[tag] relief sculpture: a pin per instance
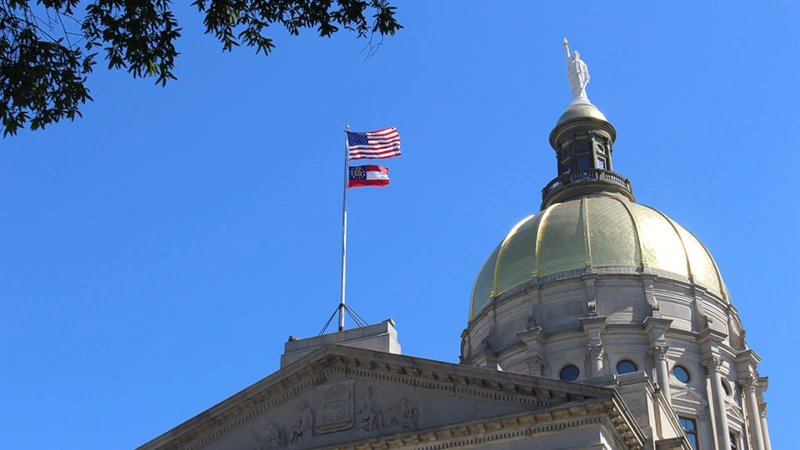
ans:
(270, 437)
(370, 415)
(335, 407)
(304, 423)
(403, 416)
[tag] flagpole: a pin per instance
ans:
(344, 226)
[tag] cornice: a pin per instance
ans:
(320, 365)
(606, 414)
(748, 356)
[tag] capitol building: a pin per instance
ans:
(596, 323)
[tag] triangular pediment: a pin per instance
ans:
(686, 395)
(339, 395)
(733, 412)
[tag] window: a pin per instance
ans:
(626, 366)
(690, 428)
(569, 373)
(726, 388)
(600, 148)
(601, 163)
(734, 441)
(681, 374)
(584, 163)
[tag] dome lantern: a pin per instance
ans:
(583, 140)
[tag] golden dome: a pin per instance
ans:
(593, 232)
(581, 111)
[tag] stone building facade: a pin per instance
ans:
(596, 323)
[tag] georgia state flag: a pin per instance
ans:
(369, 175)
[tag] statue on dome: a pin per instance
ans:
(578, 74)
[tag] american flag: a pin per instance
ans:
(378, 144)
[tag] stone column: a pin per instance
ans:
(596, 356)
(593, 327)
(712, 365)
(762, 408)
(749, 386)
(662, 371)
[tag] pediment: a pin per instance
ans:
(338, 395)
(733, 412)
(686, 395)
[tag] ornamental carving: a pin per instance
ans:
(660, 351)
(592, 305)
(535, 364)
(651, 300)
(739, 341)
(403, 416)
(749, 384)
(712, 364)
(370, 417)
(335, 407)
(303, 424)
(533, 318)
(595, 350)
(270, 436)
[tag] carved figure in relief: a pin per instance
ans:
(272, 437)
(304, 423)
(369, 414)
(403, 416)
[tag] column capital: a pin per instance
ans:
(660, 351)
(712, 364)
(750, 383)
(535, 359)
(535, 364)
(595, 350)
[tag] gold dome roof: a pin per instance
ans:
(597, 232)
(581, 111)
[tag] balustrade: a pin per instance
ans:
(577, 176)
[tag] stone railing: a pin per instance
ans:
(576, 176)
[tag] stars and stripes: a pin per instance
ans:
(368, 175)
(378, 144)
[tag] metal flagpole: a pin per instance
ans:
(344, 226)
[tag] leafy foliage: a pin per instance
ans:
(48, 48)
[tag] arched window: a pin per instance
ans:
(726, 387)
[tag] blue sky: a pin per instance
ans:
(156, 254)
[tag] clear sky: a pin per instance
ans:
(156, 254)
